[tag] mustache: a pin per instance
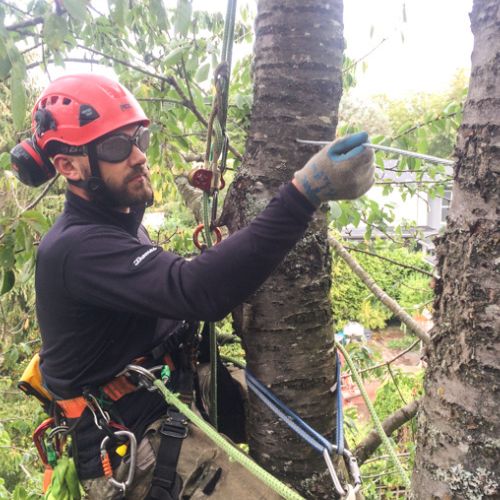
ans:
(138, 170)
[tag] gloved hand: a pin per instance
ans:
(342, 170)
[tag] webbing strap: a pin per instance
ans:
(166, 483)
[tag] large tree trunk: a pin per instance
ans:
(459, 424)
(287, 326)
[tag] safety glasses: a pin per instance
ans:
(117, 147)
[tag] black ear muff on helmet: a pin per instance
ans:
(30, 165)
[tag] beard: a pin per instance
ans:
(133, 190)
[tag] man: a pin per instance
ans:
(107, 296)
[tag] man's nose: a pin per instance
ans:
(137, 156)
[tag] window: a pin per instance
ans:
(445, 205)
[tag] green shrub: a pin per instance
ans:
(352, 301)
(389, 398)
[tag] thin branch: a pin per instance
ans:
(25, 24)
(377, 291)
(35, 202)
(39, 198)
(390, 424)
(13, 7)
(369, 53)
(388, 363)
(440, 181)
(394, 381)
(385, 233)
(424, 124)
(384, 457)
(395, 262)
(29, 49)
(12, 191)
(160, 99)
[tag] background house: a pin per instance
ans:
(428, 214)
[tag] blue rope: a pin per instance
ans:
(339, 428)
(304, 430)
(319, 447)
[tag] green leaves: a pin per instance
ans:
(5, 64)
(183, 17)
(7, 282)
(119, 10)
(77, 9)
(55, 29)
(175, 56)
(202, 72)
(4, 160)
(158, 10)
(18, 95)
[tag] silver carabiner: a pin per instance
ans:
(331, 469)
(92, 404)
(352, 467)
(146, 377)
(122, 486)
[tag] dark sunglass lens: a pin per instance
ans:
(143, 138)
(114, 149)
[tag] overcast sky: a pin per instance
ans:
(437, 42)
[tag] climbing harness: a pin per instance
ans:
(403, 152)
(148, 379)
(210, 178)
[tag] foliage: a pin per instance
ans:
(19, 467)
(364, 357)
(423, 123)
(351, 300)
(380, 479)
(397, 391)
(402, 343)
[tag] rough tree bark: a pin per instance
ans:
(459, 423)
(287, 326)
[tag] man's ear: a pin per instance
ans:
(69, 166)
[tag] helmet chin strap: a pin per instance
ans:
(94, 185)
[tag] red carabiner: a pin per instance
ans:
(38, 439)
(199, 229)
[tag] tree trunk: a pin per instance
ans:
(459, 423)
(287, 326)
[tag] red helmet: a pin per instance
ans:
(82, 108)
(74, 110)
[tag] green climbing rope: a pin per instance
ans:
(376, 420)
(233, 453)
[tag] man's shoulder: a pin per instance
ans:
(68, 234)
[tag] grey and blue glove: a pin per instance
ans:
(342, 170)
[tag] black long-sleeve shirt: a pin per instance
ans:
(106, 295)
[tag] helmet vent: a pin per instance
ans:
(66, 101)
(87, 114)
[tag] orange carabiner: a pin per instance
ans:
(199, 229)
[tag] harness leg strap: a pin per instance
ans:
(166, 483)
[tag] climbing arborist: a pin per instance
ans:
(106, 296)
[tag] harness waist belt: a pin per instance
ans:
(115, 389)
